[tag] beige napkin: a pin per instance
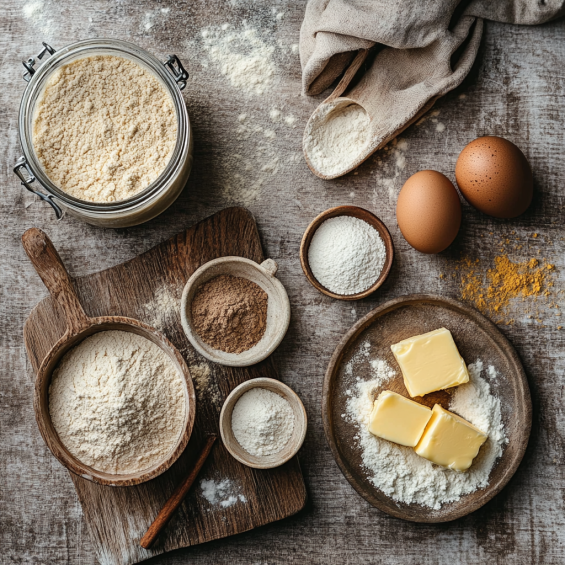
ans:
(430, 47)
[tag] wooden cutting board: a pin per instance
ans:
(149, 288)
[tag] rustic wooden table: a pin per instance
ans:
(516, 90)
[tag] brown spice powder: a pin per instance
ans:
(230, 313)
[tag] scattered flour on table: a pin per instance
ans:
(398, 471)
(392, 162)
(164, 306)
(222, 493)
(117, 402)
(276, 116)
(252, 60)
(346, 255)
(153, 18)
(205, 385)
(243, 55)
(429, 116)
(43, 19)
(262, 422)
(336, 137)
(247, 53)
(255, 161)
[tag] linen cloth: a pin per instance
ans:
(430, 46)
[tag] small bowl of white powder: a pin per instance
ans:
(263, 423)
(346, 253)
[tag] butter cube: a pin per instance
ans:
(449, 440)
(430, 362)
(398, 419)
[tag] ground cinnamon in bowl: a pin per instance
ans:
(230, 313)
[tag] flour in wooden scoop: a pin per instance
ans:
(117, 402)
(336, 137)
(104, 128)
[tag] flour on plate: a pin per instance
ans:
(402, 474)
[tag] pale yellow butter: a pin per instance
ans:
(398, 419)
(449, 440)
(430, 362)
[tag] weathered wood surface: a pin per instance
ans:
(117, 518)
(516, 90)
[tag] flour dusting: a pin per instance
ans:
(391, 168)
(254, 162)
(164, 306)
(222, 494)
(242, 55)
(204, 383)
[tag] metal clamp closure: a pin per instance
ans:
(179, 72)
(30, 71)
(27, 180)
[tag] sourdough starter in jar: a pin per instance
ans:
(104, 128)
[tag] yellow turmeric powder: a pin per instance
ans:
(491, 292)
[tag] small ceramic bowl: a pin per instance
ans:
(296, 439)
(278, 308)
(355, 212)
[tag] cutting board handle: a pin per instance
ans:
(50, 268)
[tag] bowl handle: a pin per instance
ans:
(270, 266)
(50, 268)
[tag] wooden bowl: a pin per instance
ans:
(355, 212)
(296, 439)
(278, 308)
(50, 268)
(476, 338)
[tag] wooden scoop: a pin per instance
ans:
(381, 129)
(50, 268)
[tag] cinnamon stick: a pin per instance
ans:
(176, 498)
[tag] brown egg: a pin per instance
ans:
(428, 211)
(495, 177)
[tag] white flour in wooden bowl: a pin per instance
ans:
(117, 402)
(346, 255)
(104, 128)
(402, 474)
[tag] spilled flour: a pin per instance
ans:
(250, 60)
(336, 137)
(206, 386)
(253, 165)
(392, 162)
(398, 471)
(164, 306)
(222, 493)
(242, 55)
